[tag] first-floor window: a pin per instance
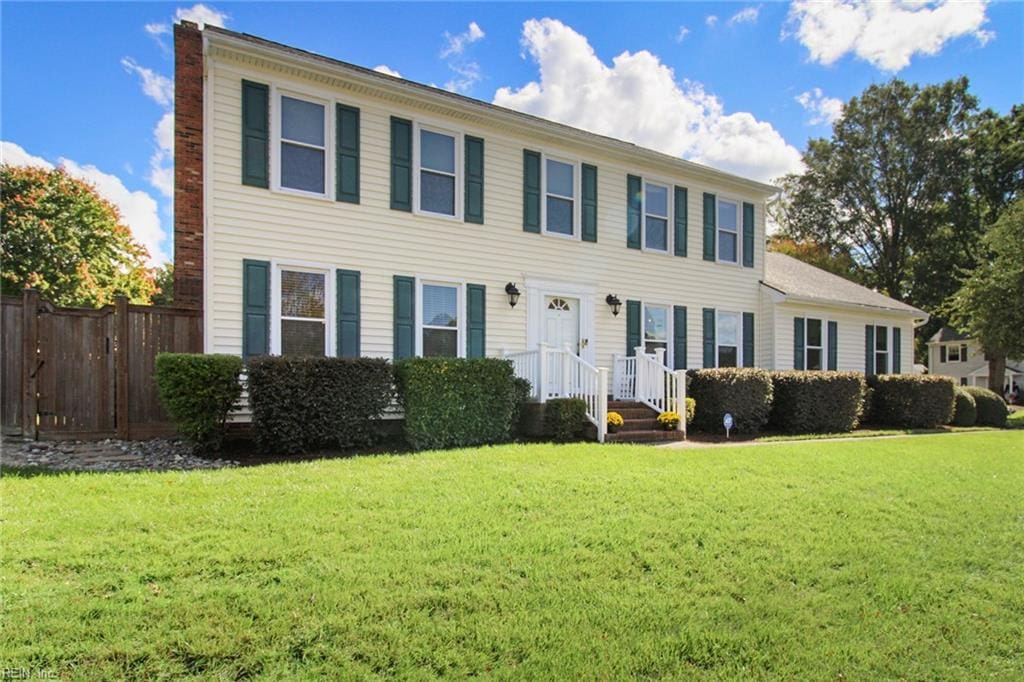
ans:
(881, 350)
(812, 348)
(727, 334)
(963, 381)
(656, 332)
(303, 312)
(440, 328)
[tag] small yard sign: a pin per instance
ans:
(727, 423)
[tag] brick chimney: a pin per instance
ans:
(188, 165)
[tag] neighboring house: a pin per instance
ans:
(325, 208)
(951, 354)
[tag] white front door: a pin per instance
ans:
(562, 322)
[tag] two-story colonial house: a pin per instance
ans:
(959, 357)
(325, 208)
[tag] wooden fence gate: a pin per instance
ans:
(75, 373)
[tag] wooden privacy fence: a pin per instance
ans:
(76, 373)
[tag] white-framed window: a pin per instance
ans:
(814, 336)
(302, 310)
(658, 330)
(438, 184)
(953, 354)
(302, 138)
(728, 237)
(656, 216)
(881, 350)
(441, 324)
(727, 339)
(561, 193)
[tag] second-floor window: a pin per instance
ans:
(303, 147)
(655, 217)
(728, 231)
(560, 197)
(438, 172)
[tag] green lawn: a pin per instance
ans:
(899, 558)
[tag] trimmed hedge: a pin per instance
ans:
(911, 400)
(305, 404)
(816, 402)
(965, 409)
(521, 392)
(564, 419)
(457, 402)
(745, 392)
(198, 392)
(991, 408)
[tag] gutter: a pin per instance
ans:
(920, 316)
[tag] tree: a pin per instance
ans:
(990, 304)
(163, 277)
(59, 236)
(809, 251)
(881, 187)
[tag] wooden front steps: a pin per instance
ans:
(641, 424)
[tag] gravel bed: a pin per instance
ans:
(158, 454)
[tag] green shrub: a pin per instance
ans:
(457, 402)
(992, 410)
(744, 392)
(691, 409)
(198, 392)
(564, 419)
(965, 408)
(911, 401)
(816, 402)
(305, 404)
(521, 393)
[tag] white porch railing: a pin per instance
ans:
(560, 373)
(644, 378)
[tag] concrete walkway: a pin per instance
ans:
(691, 444)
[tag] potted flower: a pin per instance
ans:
(668, 420)
(615, 421)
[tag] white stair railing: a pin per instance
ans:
(660, 388)
(623, 377)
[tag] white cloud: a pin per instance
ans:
(157, 29)
(202, 15)
(161, 163)
(456, 44)
(682, 33)
(138, 209)
(885, 33)
(638, 99)
(747, 15)
(158, 88)
(468, 76)
(384, 68)
(711, 20)
(822, 109)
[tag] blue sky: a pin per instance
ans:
(86, 84)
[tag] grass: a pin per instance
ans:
(896, 558)
(1016, 419)
(869, 432)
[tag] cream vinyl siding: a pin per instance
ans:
(850, 349)
(247, 222)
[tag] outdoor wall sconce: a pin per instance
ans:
(513, 294)
(613, 301)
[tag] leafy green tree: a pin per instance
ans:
(60, 237)
(820, 256)
(881, 187)
(990, 304)
(163, 277)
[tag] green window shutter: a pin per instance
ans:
(942, 354)
(633, 329)
(748, 235)
(474, 209)
(255, 134)
(405, 317)
(255, 308)
(401, 164)
(476, 320)
(798, 343)
(634, 196)
(531, 191)
(679, 337)
(833, 346)
(682, 220)
(748, 339)
(709, 226)
(869, 349)
(708, 332)
(346, 121)
(348, 313)
(589, 203)
(896, 338)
